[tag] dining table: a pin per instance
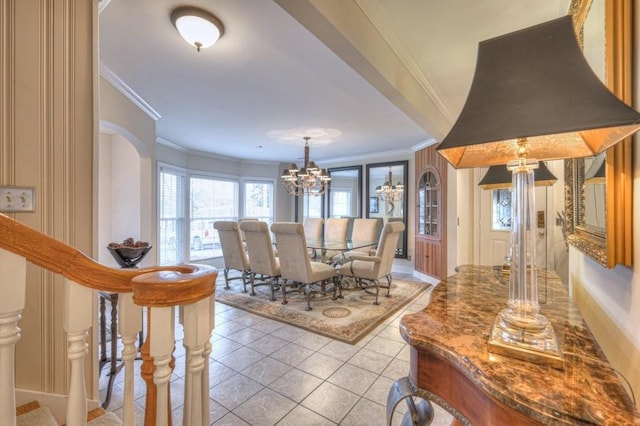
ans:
(343, 246)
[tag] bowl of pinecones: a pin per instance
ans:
(129, 252)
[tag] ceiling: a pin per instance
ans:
(387, 74)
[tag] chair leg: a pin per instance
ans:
(284, 291)
(307, 289)
(377, 292)
(226, 278)
(337, 285)
(272, 284)
(389, 278)
(252, 277)
(245, 281)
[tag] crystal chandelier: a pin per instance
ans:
(309, 180)
(389, 191)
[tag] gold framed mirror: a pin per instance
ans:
(610, 244)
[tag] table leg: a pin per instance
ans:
(113, 369)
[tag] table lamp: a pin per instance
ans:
(499, 177)
(533, 97)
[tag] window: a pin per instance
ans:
(258, 200)
(312, 206)
(501, 211)
(340, 202)
(211, 199)
(171, 216)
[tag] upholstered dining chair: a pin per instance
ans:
(233, 251)
(245, 219)
(313, 231)
(261, 255)
(363, 230)
(295, 265)
(335, 229)
(366, 268)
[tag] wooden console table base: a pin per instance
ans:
(451, 366)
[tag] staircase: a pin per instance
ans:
(32, 414)
(160, 290)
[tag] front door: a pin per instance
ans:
(494, 217)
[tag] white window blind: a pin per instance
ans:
(211, 199)
(258, 200)
(171, 216)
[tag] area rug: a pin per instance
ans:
(348, 319)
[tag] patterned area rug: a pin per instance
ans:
(348, 319)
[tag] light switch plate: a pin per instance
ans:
(17, 199)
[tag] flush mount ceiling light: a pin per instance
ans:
(198, 27)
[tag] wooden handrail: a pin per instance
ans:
(172, 285)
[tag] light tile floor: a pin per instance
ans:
(264, 372)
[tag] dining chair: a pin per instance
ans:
(245, 219)
(335, 229)
(233, 251)
(363, 230)
(313, 231)
(366, 268)
(261, 255)
(295, 265)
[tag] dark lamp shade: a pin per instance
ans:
(596, 172)
(499, 177)
(536, 84)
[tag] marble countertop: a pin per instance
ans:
(456, 325)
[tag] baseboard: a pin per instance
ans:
(425, 277)
(621, 352)
(56, 403)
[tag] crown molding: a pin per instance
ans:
(102, 5)
(127, 91)
(170, 144)
(369, 156)
(424, 144)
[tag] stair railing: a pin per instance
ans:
(160, 289)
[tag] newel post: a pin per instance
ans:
(13, 277)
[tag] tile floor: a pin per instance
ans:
(264, 372)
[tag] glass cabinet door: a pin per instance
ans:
(428, 205)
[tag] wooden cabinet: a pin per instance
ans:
(430, 234)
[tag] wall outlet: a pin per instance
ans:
(17, 199)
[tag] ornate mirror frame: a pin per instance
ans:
(615, 246)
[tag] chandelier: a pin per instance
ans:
(308, 180)
(389, 191)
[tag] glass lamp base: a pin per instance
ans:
(528, 343)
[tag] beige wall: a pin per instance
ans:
(609, 299)
(126, 194)
(47, 132)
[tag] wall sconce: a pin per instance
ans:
(198, 27)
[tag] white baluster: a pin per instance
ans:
(196, 333)
(162, 344)
(129, 324)
(206, 419)
(186, 404)
(12, 287)
(78, 317)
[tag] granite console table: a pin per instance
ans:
(450, 363)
